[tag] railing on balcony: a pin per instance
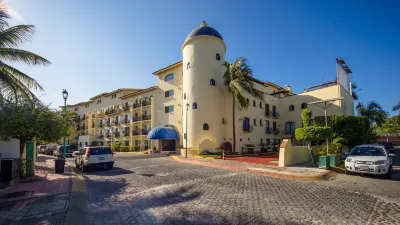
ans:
(82, 127)
(100, 136)
(288, 131)
(126, 107)
(117, 134)
(136, 118)
(276, 131)
(100, 115)
(126, 133)
(268, 113)
(84, 117)
(101, 124)
(83, 133)
(146, 103)
(127, 120)
(108, 135)
(268, 130)
(146, 117)
(77, 119)
(144, 132)
(108, 123)
(135, 132)
(116, 122)
(135, 105)
(275, 115)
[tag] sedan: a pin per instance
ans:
(369, 159)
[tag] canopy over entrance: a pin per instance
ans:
(162, 133)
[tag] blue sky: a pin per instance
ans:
(99, 46)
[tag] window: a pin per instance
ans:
(99, 101)
(184, 96)
(254, 122)
(206, 127)
(246, 124)
(169, 109)
(126, 143)
(87, 105)
(248, 102)
(260, 105)
(212, 82)
(303, 105)
(76, 109)
(268, 141)
(169, 77)
(260, 122)
(254, 103)
(194, 106)
(113, 95)
(223, 121)
(261, 141)
(274, 110)
(275, 142)
(274, 126)
(169, 93)
(267, 113)
(218, 57)
(289, 127)
(80, 144)
(188, 65)
(267, 124)
(291, 107)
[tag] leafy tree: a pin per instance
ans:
(355, 130)
(14, 83)
(311, 133)
(397, 107)
(238, 79)
(390, 127)
(372, 111)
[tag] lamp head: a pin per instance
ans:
(65, 94)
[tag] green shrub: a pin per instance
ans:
(94, 143)
(306, 115)
(125, 148)
(136, 148)
(313, 133)
(117, 146)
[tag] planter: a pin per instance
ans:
(324, 162)
(250, 150)
(334, 160)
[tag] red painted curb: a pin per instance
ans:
(267, 173)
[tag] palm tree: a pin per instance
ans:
(354, 93)
(14, 83)
(396, 107)
(373, 111)
(238, 79)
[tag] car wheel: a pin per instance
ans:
(110, 166)
(347, 172)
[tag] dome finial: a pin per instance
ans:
(204, 24)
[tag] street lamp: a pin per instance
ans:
(65, 96)
(186, 134)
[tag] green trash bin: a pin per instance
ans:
(334, 160)
(59, 165)
(324, 162)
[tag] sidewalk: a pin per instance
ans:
(294, 172)
(42, 198)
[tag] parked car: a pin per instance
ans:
(389, 146)
(99, 156)
(40, 149)
(369, 159)
(59, 150)
(49, 150)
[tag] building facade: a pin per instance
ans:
(190, 97)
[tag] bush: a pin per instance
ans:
(355, 129)
(136, 148)
(117, 146)
(313, 133)
(306, 115)
(124, 148)
(334, 148)
(94, 143)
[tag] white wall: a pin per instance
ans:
(10, 149)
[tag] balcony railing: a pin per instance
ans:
(276, 131)
(127, 120)
(108, 135)
(136, 118)
(126, 133)
(117, 134)
(135, 132)
(82, 127)
(146, 103)
(288, 132)
(126, 107)
(146, 117)
(268, 130)
(101, 124)
(275, 115)
(93, 116)
(92, 125)
(144, 132)
(135, 105)
(83, 133)
(108, 123)
(84, 117)
(268, 113)
(100, 115)
(100, 136)
(77, 119)
(116, 122)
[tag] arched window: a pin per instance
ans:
(184, 96)
(246, 124)
(206, 127)
(218, 57)
(254, 122)
(254, 103)
(303, 105)
(289, 127)
(291, 107)
(188, 65)
(248, 102)
(260, 105)
(194, 106)
(267, 113)
(260, 122)
(169, 77)
(212, 82)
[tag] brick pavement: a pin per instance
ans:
(42, 198)
(270, 160)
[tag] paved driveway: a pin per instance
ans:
(158, 190)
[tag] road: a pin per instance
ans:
(149, 189)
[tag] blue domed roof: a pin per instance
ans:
(204, 29)
(158, 133)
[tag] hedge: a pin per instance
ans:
(355, 129)
(313, 133)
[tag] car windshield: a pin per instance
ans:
(368, 151)
(100, 151)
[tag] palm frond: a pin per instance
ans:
(13, 89)
(396, 107)
(14, 36)
(17, 55)
(27, 80)
(3, 17)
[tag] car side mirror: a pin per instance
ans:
(391, 155)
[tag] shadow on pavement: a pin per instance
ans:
(108, 173)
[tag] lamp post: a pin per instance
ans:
(65, 96)
(186, 134)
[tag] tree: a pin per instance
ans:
(372, 111)
(238, 79)
(311, 133)
(397, 107)
(14, 83)
(391, 126)
(353, 91)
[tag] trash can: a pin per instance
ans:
(59, 165)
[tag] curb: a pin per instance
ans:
(271, 174)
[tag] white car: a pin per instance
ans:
(94, 157)
(369, 159)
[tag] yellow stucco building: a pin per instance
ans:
(192, 90)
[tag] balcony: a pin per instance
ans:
(77, 119)
(136, 118)
(84, 117)
(83, 133)
(100, 115)
(112, 112)
(93, 126)
(146, 103)
(275, 115)
(101, 125)
(126, 107)
(108, 135)
(247, 129)
(135, 105)
(268, 114)
(127, 120)
(126, 133)
(276, 131)
(108, 123)
(117, 134)
(116, 122)
(100, 136)
(268, 130)
(146, 117)
(288, 132)
(135, 132)
(144, 132)
(82, 127)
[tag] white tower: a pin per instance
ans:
(203, 57)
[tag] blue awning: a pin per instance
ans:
(158, 133)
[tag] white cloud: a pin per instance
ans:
(14, 14)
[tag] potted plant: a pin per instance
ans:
(250, 148)
(264, 149)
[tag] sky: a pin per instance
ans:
(100, 46)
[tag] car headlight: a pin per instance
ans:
(349, 160)
(380, 162)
